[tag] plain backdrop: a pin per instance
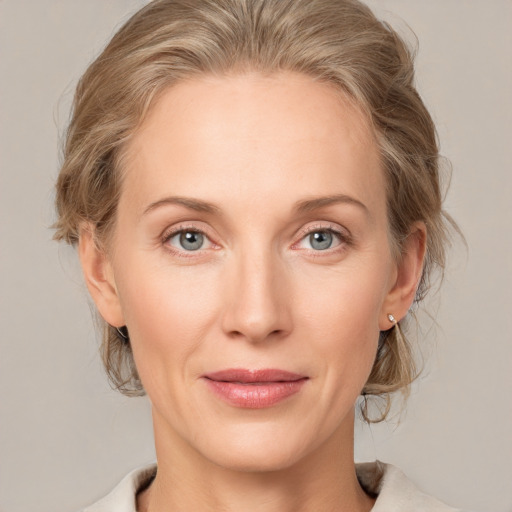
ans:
(66, 438)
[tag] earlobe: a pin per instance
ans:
(99, 277)
(408, 274)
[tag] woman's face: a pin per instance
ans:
(252, 235)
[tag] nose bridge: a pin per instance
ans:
(257, 306)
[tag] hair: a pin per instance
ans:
(338, 42)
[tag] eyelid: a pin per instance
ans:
(334, 228)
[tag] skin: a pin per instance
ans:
(258, 293)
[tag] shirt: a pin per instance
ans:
(395, 492)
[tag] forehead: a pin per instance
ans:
(253, 133)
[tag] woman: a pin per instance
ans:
(254, 190)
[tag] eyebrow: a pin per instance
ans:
(315, 203)
(187, 202)
(303, 206)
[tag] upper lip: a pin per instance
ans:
(247, 376)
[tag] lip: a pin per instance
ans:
(254, 389)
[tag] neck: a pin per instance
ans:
(323, 481)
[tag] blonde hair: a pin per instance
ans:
(339, 42)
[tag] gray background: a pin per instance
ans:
(66, 438)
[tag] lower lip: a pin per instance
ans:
(255, 395)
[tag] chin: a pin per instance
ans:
(266, 460)
(263, 449)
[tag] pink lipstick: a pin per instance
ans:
(254, 389)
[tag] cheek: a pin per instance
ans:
(346, 299)
(341, 318)
(169, 312)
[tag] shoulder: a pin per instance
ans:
(395, 491)
(123, 496)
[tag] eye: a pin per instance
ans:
(188, 240)
(321, 239)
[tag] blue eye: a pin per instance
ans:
(321, 240)
(188, 240)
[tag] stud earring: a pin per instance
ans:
(398, 331)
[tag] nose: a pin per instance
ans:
(258, 306)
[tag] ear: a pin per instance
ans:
(99, 277)
(407, 276)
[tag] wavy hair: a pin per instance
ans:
(339, 42)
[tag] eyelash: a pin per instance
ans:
(179, 229)
(344, 238)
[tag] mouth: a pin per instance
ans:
(254, 389)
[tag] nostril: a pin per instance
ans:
(256, 337)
